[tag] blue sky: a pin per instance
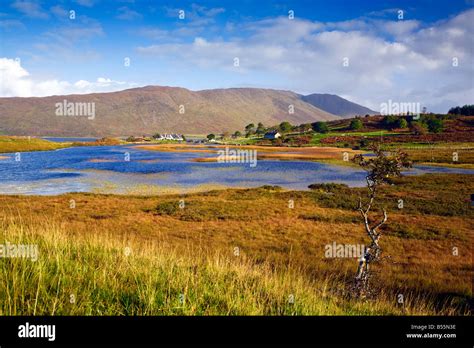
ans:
(366, 51)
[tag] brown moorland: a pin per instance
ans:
(429, 242)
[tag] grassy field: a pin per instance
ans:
(237, 252)
(25, 144)
(317, 137)
(459, 155)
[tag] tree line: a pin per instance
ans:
(466, 110)
(433, 123)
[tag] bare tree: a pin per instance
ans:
(380, 169)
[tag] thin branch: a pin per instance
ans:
(372, 189)
(365, 217)
(384, 220)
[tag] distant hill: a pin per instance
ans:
(154, 109)
(337, 105)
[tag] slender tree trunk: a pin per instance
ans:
(372, 253)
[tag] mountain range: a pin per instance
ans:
(154, 109)
(337, 105)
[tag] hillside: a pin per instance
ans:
(153, 109)
(337, 105)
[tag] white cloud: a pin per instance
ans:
(15, 81)
(30, 9)
(404, 60)
(59, 11)
(384, 13)
(173, 35)
(11, 25)
(68, 41)
(127, 14)
(282, 30)
(86, 3)
(400, 28)
(68, 35)
(197, 15)
(388, 59)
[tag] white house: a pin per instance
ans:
(167, 136)
(272, 135)
(177, 137)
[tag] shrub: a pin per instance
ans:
(356, 124)
(277, 142)
(261, 128)
(285, 126)
(271, 188)
(402, 123)
(389, 122)
(327, 187)
(364, 143)
(435, 125)
(321, 127)
(418, 128)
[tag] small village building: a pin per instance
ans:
(272, 135)
(166, 136)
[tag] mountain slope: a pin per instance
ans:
(152, 109)
(336, 105)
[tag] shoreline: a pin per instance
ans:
(321, 154)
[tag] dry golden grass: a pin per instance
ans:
(441, 154)
(267, 232)
(104, 274)
(22, 144)
(263, 152)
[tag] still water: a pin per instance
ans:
(127, 169)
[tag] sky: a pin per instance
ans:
(369, 52)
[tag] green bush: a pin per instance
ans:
(327, 187)
(356, 124)
(402, 123)
(435, 125)
(389, 122)
(285, 127)
(321, 127)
